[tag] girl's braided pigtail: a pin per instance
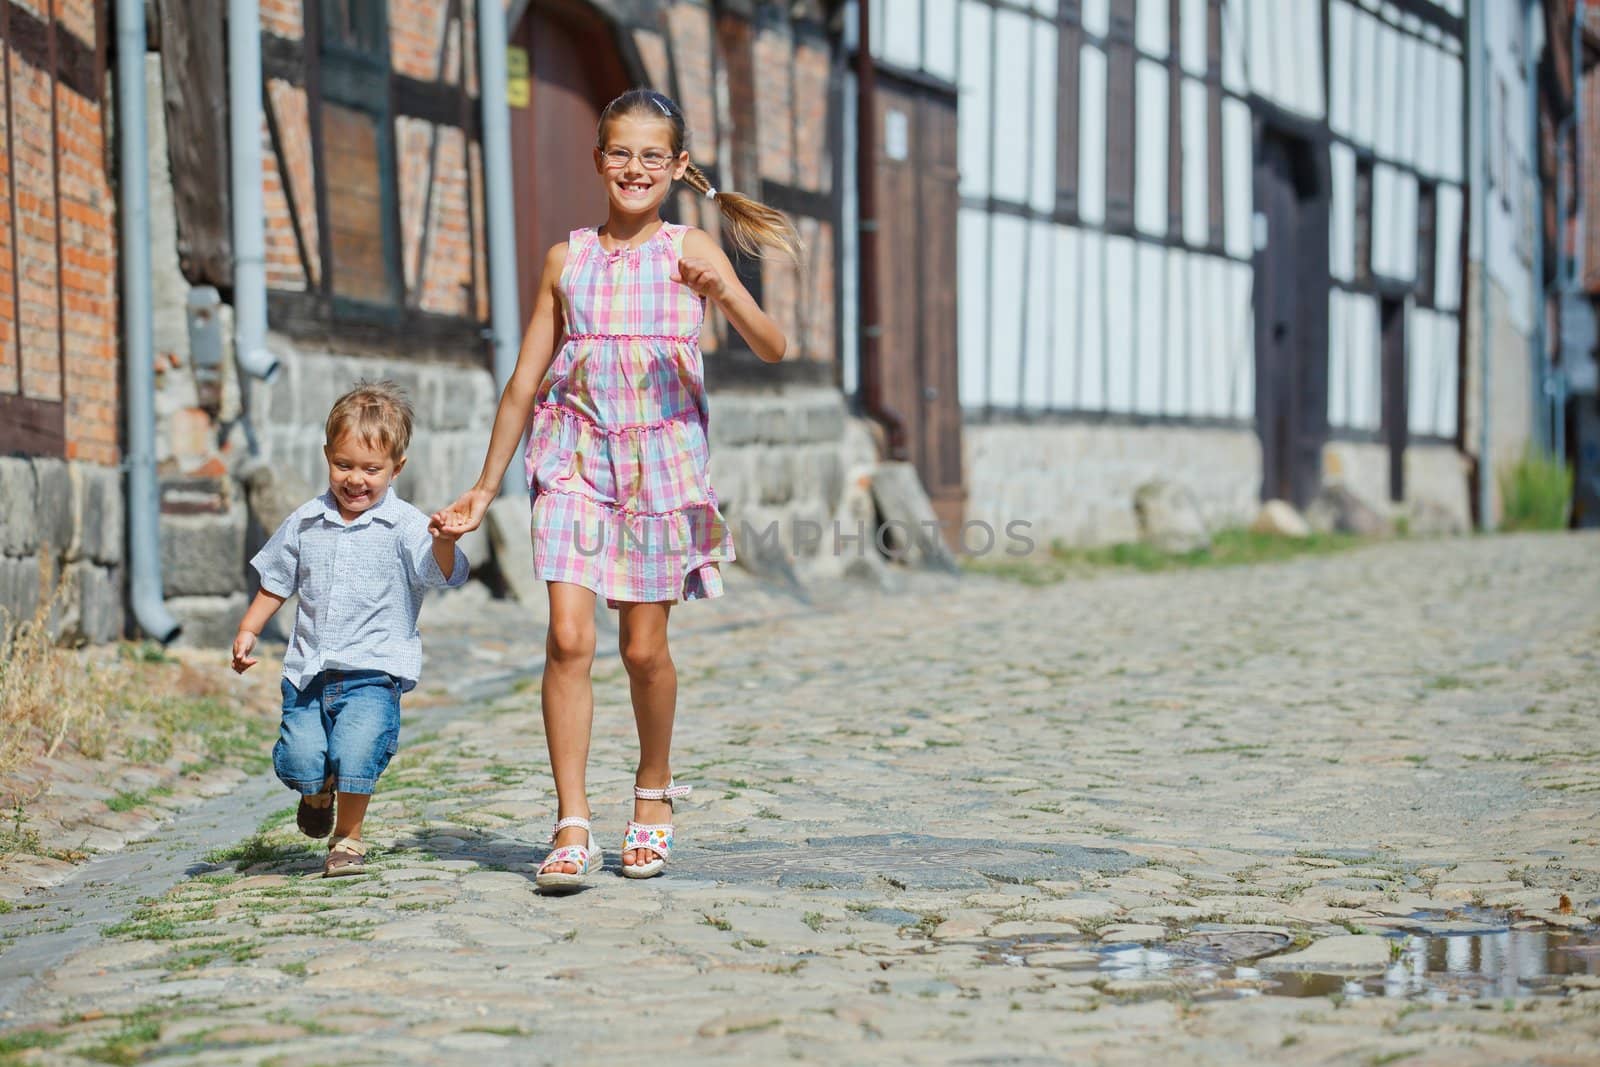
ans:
(752, 224)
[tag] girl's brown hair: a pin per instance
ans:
(752, 224)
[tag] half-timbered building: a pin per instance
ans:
(1216, 241)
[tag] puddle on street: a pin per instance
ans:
(1491, 961)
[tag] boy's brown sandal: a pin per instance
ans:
(314, 820)
(346, 856)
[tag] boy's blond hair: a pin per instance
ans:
(379, 415)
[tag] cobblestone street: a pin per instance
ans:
(1211, 816)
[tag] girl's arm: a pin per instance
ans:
(261, 609)
(511, 418)
(706, 269)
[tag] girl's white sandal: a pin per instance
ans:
(586, 857)
(651, 837)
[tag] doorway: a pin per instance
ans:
(1291, 308)
(564, 66)
(918, 201)
(1395, 431)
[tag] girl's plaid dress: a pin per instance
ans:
(617, 450)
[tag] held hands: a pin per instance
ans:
(700, 276)
(462, 517)
(243, 644)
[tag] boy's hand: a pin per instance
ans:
(243, 644)
(700, 276)
(441, 532)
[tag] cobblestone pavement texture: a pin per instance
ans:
(917, 820)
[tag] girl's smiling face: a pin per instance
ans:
(638, 164)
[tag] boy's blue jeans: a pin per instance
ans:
(344, 724)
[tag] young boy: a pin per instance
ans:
(360, 559)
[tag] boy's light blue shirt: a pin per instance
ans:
(360, 585)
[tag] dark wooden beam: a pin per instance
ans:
(310, 317)
(32, 427)
(73, 62)
(793, 200)
(436, 102)
(287, 60)
(194, 79)
(283, 58)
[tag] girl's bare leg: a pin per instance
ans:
(653, 681)
(567, 698)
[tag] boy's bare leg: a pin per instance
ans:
(567, 698)
(350, 814)
(653, 681)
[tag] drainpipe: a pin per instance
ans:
(144, 503)
(1558, 381)
(505, 318)
(249, 221)
(1480, 210)
(1540, 301)
(867, 255)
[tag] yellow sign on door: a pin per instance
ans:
(519, 88)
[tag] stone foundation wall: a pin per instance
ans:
(453, 403)
(1511, 385)
(781, 459)
(1074, 482)
(1436, 488)
(62, 520)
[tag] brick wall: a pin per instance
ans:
(58, 311)
(437, 178)
(60, 501)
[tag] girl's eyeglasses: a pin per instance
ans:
(649, 159)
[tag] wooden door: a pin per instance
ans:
(1396, 432)
(573, 69)
(1291, 306)
(917, 206)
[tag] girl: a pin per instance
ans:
(616, 456)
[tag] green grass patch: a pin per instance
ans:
(1229, 548)
(258, 848)
(1536, 492)
(127, 1046)
(127, 801)
(11, 1044)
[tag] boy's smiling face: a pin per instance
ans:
(359, 473)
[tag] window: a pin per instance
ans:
(1503, 143)
(358, 163)
(1363, 265)
(1214, 120)
(1069, 44)
(1427, 242)
(1120, 119)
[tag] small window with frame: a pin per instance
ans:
(1427, 242)
(358, 160)
(1363, 235)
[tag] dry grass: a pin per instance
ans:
(48, 695)
(115, 707)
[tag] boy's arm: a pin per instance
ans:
(437, 560)
(261, 609)
(444, 554)
(276, 565)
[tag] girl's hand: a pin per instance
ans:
(462, 517)
(702, 277)
(243, 643)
